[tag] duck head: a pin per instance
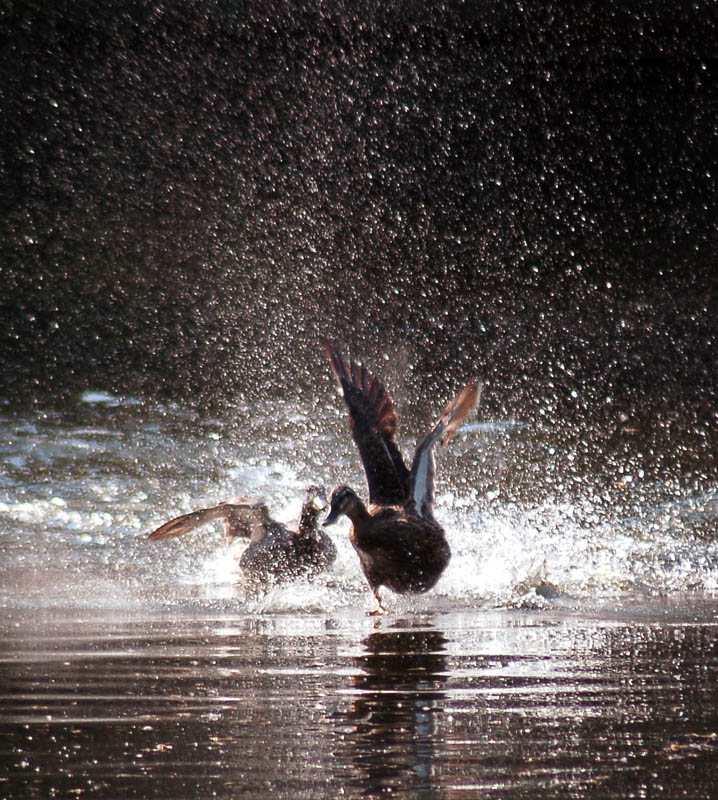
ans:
(315, 501)
(343, 501)
(315, 498)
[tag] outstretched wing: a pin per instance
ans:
(373, 423)
(422, 467)
(242, 517)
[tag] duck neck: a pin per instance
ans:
(357, 512)
(308, 522)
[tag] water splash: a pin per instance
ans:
(82, 496)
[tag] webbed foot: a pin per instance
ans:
(379, 608)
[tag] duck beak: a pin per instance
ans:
(332, 517)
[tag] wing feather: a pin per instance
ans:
(242, 517)
(373, 423)
(423, 468)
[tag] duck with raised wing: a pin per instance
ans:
(399, 543)
(276, 552)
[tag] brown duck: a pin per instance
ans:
(399, 543)
(275, 553)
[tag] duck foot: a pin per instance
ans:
(379, 608)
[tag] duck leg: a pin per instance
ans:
(379, 607)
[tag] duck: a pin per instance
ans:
(400, 544)
(276, 553)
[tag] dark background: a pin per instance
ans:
(191, 192)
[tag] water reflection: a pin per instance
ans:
(399, 692)
(502, 704)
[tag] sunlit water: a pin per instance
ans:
(570, 649)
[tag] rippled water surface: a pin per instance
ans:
(570, 650)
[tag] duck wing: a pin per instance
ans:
(243, 517)
(373, 423)
(423, 468)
